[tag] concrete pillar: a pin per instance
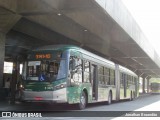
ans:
(143, 85)
(2, 55)
(117, 74)
(148, 85)
(137, 87)
(14, 81)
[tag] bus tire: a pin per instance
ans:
(109, 98)
(83, 101)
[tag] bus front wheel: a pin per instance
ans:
(83, 101)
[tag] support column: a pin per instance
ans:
(117, 74)
(143, 85)
(2, 56)
(14, 81)
(148, 85)
(137, 87)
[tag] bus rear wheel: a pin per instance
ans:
(83, 101)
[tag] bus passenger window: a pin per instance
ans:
(86, 71)
(75, 67)
(112, 77)
(101, 77)
(106, 75)
(122, 80)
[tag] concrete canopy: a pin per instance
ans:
(104, 27)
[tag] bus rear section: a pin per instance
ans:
(128, 84)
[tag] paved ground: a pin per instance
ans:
(146, 102)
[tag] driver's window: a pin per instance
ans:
(53, 68)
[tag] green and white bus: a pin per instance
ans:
(69, 74)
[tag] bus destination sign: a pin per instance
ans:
(43, 56)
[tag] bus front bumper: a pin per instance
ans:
(58, 96)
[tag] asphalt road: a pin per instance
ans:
(146, 103)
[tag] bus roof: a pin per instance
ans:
(73, 47)
(56, 47)
(66, 47)
(98, 58)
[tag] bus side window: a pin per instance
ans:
(75, 67)
(101, 77)
(86, 71)
(112, 77)
(72, 63)
(106, 75)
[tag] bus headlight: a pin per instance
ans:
(21, 86)
(60, 86)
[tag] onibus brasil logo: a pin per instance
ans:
(19, 114)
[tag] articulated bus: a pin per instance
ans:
(69, 74)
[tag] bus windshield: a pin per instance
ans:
(46, 70)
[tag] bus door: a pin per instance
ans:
(94, 82)
(125, 85)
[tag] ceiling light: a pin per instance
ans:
(59, 14)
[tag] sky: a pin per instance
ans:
(147, 15)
